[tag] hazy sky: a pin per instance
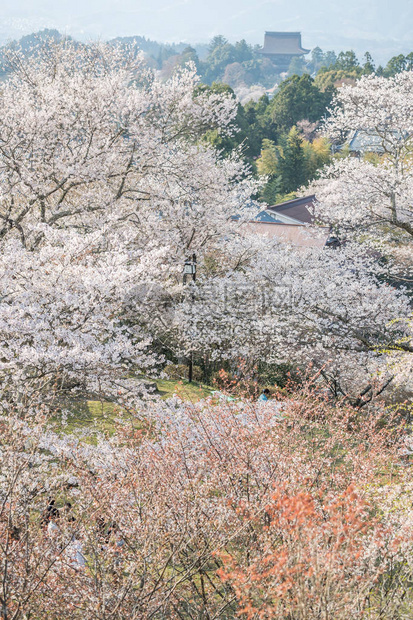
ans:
(383, 27)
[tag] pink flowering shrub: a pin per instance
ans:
(262, 511)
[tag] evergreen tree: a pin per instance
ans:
(220, 55)
(268, 160)
(243, 51)
(298, 98)
(291, 163)
(397, 64)
(368, 67)
(272, 192)
(329, 59)
(346, 61)
(259, 126)
(267, 165)
(317, 59)
(297, 66)
(218, 41)
(189, 55)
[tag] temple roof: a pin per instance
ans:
(284, 43)
(298, 209)
(366, 141)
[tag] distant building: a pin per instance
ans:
(365, 141)
(293, 222)
(282, 47)
(297, 211)
(362, 141)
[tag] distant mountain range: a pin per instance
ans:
(152, 48)
(384, 28)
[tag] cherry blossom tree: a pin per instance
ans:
(90, 138)
(369, 199)
(271, 303)
(359, 195)
(104, 189)
(63, 318)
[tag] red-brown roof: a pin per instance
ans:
(302, 236)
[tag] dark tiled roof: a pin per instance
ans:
(369, 141)
(366, 141)
(300, 209)
(288, 43)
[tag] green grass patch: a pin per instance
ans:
(100, 416)
(93, 416)
(192, 392)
